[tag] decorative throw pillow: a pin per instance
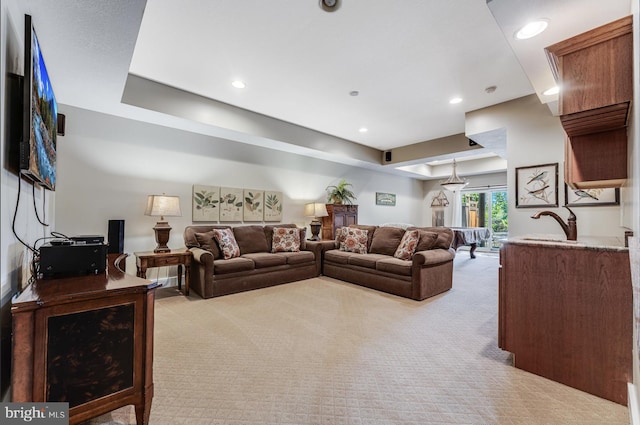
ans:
(408, 245)
(286, 239)
(207, 241)
(427, 240)
(227, 243)
(355, 240)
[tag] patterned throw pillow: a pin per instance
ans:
(286, 239)
(355, 240)
(227, 243)
(407, 245)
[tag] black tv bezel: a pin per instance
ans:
(27, 85)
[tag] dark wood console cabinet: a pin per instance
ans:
(565, 312)
(87, 341)
(340, 215)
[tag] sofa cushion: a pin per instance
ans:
(355, 240)
(300, 257)
(427, 241)
(285, 239)
(251, 239)
(395, 266)
(408, 245)
(445, 235)
(227, 243)
(366, 260)
(265, 259)
(386, 240)
(233, 265)
(337, 256)
(208, 242)
(189, 233)
(268, 231)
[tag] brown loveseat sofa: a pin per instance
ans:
(255, 267)
(427, 272)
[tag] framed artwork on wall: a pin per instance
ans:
(253, 205)
(231, 204)
(386, 199)
(206, 203)
(272, 206)
(591, 197)
(537, 186)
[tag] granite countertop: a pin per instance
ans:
(584, 242)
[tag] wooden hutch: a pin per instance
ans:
(340, 215)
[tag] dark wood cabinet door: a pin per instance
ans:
(340, 215)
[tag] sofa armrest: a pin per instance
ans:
(202, 256)
(201, 271)
(433, 257)
(319, 248)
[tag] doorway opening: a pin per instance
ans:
(486, 208)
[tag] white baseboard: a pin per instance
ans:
(634, 407)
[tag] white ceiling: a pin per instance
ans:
(406, 58)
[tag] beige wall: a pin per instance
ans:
(535, 137)
(108, 165)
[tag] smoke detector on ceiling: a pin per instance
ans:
(329, 5)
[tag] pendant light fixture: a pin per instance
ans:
(454, 183)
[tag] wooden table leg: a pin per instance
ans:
(180, 277)
(472, 251)
(142, 272)
(187, 274)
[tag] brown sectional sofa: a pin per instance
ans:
(256, 267)
(427, 273)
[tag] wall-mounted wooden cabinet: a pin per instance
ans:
(595, 73)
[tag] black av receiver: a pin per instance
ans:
(73, 258)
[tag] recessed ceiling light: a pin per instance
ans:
(238, 84)
(455, 100)
(363, 129)
(550, 92)
(531, 29)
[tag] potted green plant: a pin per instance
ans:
(340, 193)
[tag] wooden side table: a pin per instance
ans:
(176, 257)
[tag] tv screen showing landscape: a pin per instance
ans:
(39, 149)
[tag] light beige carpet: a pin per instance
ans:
(325, 352)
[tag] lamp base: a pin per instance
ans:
(315, 230)
(162, 230)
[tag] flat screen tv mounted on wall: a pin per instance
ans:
(40, 115)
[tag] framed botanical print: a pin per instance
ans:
(230, 204)
(272, 206)
(253, 205)
(206, 203)
(537, 186)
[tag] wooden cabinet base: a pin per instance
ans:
(87, 341)
(566, 314)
